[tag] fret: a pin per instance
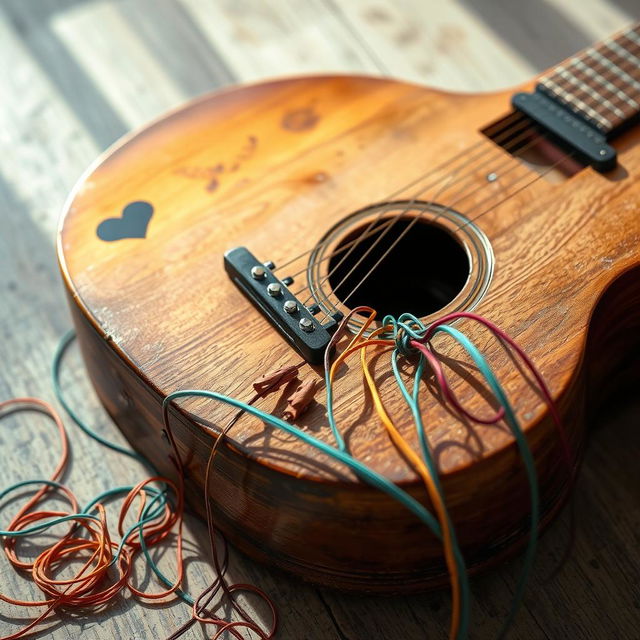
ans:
(625, 54)
(574, 101)
(602, 81)
(584, 88)
(633, 36)
(601, 84)
(614, 68)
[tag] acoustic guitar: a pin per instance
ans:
(229, 238)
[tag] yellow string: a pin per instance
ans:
(423, 471)
(356, 344)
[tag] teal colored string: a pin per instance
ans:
(43, 526)
(371, 477)
(413, 403)
(525, 453)
(342, 446)
(63, 345)
(414, 328)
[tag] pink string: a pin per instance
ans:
(434, 363)
(505, 338)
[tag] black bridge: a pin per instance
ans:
(271, 296)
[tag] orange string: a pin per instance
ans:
(415, 460)
(90, 586)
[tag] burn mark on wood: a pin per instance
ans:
(300, 119)
(212, 175)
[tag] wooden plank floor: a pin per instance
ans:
(75, 75)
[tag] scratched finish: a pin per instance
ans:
(75, 67)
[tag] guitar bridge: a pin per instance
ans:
(294, 321)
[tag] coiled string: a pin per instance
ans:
(157, 503)
(88, 539)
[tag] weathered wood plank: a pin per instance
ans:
(177, 44)
(596, 18)
(109, 50)
(444, 48)
(258, 40)
(32, 23)
(45, 146)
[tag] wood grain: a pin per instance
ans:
(596, 594)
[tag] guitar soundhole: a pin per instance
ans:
(426, 268)
(401, 256)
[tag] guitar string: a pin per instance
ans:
(414, 221)
(444, 211)
(603, 74)
(402, 213)
(462, 195)
(489, 209)
(445, 184)
(370, 230)
(387, 227)
(519, 117)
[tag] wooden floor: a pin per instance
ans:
(75, 75)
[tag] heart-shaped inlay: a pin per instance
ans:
(132, 224)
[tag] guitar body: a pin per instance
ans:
(274, 167)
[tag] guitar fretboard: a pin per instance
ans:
(602, 83)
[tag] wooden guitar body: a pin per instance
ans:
(274, 167)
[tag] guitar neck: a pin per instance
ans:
(602, 83)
